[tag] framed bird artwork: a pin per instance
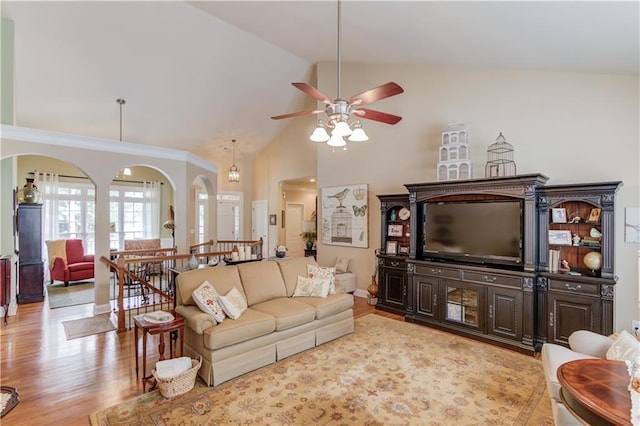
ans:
(345, 215)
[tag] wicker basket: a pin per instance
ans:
(182, 383)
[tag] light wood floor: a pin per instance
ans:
(62, 382)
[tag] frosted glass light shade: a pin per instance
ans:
(341, 129)
(319, 135)
(358, 135)
(336, 140)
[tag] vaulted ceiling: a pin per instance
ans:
(197, 74)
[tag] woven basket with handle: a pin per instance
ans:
(182, 383)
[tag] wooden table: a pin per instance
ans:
(595, 391)
(152, 328)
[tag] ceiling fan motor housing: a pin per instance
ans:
(339, 110)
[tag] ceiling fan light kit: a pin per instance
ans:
(339, 111)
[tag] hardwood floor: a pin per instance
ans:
(62, 382)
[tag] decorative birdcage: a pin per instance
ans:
(500, 159)
(454, 163)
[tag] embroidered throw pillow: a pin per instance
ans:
(342, 264)
(312, 287)
(624, 348)
(206, 297)
(233, 303)
(315, 271)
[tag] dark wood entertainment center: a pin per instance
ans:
(515, 301)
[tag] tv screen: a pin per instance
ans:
(478, 232)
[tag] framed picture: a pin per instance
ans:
(559, 237)
(273, 219)
(559, 215)
(403, 249)
(395, 231)
(594, 216)
(345, 216)
(392, 247)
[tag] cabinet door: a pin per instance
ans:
(30, 233)
(427, 296)
(569, 313)
(30, 282)
(463, 304)
(505, 313)
(395, 287)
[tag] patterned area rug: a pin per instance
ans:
(387, 372)
(87, 326)
(8, 399)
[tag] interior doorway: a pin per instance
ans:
(293, 228)
(229, 216)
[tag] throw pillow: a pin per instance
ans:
(233, 303)
(206, 297)
(312, 287)
(342, 264)
(624, 348)
(315, 271)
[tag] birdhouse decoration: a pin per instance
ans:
(454, 162)
(500, 159)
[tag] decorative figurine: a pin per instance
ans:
(576, 240)
(564, 266)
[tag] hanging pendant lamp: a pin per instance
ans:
(234, 173)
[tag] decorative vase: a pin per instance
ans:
(373, 287)
(309, 245)
(29, 194)
(193, 262)
(281, 254)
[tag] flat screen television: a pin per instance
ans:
(480, 232)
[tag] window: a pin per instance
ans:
(202, 216)
(129, 215)
(73, 215)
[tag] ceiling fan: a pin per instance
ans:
(339, 110)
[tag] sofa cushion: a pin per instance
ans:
(75, 250)
(553, 356)
(291, 268)
(333, 304)
(312, 287)
(315, 271)
(342, 264)
(287, 312)
(82, 266)
(222, 278)
(262, 281)
(233, 303)
(207, 299)
(250, 325)
(624, 348)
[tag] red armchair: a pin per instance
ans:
(68, 262)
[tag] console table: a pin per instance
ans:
(595, 391)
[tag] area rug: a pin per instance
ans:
(79, 293)
(387, 372)
(8, 399)
(88, 326)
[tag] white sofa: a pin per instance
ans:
(274, 326)
(583, 344)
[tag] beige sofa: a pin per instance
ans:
(274, 326)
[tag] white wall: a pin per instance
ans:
(570, 127)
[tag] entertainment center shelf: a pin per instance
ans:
(479, 253)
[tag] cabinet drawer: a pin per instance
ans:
(393, 263)
(490, 278)
(436, 271)
(576, 287)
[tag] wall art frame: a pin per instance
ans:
(345, 215)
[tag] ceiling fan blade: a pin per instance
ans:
(374, 115)
(312, 91)
(377, 93)
(296, 114)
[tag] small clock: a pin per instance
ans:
(404, 213)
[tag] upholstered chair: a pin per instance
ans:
(68, 261)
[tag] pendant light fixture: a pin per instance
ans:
(234, 173)
(126, 171)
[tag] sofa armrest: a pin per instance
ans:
(590, 343)
(196, 320)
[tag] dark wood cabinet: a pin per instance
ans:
(5, 285)
(29, 246)
(392, 284)
(580, 298)
(392, 266)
